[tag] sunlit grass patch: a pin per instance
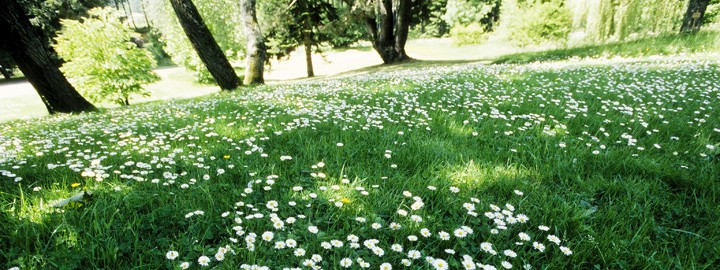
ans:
(475, 176)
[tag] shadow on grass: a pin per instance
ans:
(13, 80)
(662, 45)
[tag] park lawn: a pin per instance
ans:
(560, 165)
(705, 41)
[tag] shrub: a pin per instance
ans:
(429, 20)
(155, 44)
(471, 34)
(101, 60)
(466, 12)
(712, 14)
(536, 22)
(344, 31)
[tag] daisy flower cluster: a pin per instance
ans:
(293, 235)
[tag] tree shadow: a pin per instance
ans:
(13, 80)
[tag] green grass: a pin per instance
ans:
(21, 101)
(704, 41)
(619, 160)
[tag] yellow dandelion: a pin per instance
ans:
(76, 184)
(345, 200)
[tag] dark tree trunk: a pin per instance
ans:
(25, 45)
(308, 42)
(308, 54)
(402, 26)
(6, 64)
(694, 16)
(204, 43)
(390, 35)
(256, 54)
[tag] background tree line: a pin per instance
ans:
(217, 39)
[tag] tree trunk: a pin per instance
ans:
(205, 46)
(694, 16)
(25, 45)
(402, 26)
(308, 57)
(256, 54)
(307, 42)
(390, 35)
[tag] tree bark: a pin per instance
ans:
(402, 26)
(256, 51)
(307, 42)
(204, 43)
(6, 64)
(390, 34)
(26, 47)
(308, 54)
(694, 16)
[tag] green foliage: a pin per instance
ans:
(284, 22)
(102, 62)
(535, 22)
(473, 33)
(607, 20)
(155, 44)
(427, 19)
(466, 12)
(343, 31)
(223, 19)
(47, 14)
(712, 14)
(278, 26)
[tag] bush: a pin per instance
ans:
(467, 12)
(344, 31)
(712, 14)
(536, 22)
(156, 46)
(429, 20)
(101, 60)
(471, 34)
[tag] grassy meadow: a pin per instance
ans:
(669, 44)
(588, 164)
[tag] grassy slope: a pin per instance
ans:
(629, 205)
(705, 41)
